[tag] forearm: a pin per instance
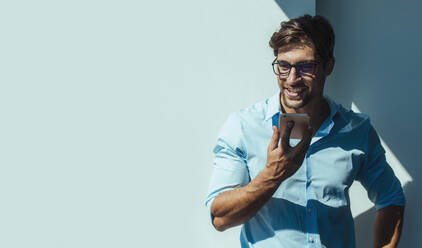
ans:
(234, 207)
(387, 227)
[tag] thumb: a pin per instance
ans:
(274, 139)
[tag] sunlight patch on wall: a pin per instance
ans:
(395, 164)
(358, 196)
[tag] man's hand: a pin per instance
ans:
(284, 159)
(234, 207)
(387, 227)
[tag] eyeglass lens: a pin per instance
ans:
(283, 69)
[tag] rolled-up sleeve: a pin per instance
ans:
(376, 175)
(230, 170)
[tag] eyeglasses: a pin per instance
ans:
(282, 68)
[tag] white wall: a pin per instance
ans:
(377, 63)
(110, 110)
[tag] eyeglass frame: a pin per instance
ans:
(315, 63)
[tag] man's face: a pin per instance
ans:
(299, 91)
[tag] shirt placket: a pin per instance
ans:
(312, 233)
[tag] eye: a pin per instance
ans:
(283, 67)
(306, 67)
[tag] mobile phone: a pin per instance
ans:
(301, 124)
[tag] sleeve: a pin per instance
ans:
(376, 175)
(230, 170)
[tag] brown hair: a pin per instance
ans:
(308, 30)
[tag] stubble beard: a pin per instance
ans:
(295, 104)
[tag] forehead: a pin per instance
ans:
(294, 53)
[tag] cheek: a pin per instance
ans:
(317, 88)
(310, 84)
(316, 85)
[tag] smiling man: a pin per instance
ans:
(294, 193)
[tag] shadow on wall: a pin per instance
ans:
(377, 63)
(294, 9)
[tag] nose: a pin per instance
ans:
(293, 77)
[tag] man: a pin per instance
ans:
(294, 193)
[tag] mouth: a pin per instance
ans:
(294, 93)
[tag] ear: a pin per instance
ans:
(329, 66)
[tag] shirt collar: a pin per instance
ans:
(273, 106)
(328, 124)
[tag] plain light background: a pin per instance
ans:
(109, 113)
(110, 110)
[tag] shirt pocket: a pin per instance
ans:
(332, 172)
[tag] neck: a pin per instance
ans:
(317, 109)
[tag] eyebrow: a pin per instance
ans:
(300, 62)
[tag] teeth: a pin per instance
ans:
(294, 91)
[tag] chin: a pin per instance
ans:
(294, 104)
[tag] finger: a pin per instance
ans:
(303, 145)
(274, 139)
(285, 144)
